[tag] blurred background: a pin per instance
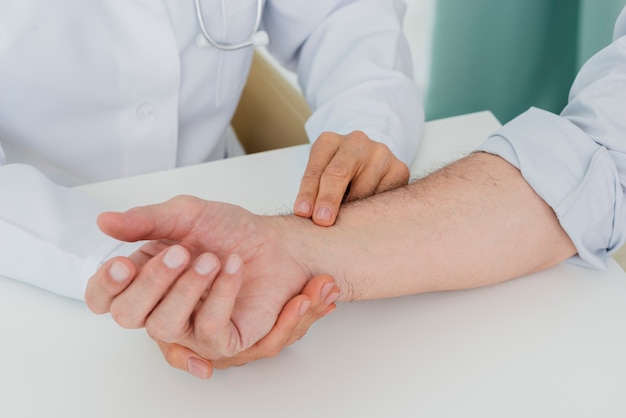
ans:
(502, 55)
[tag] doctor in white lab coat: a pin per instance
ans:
(96, 90)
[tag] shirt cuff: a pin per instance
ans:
(572, 173)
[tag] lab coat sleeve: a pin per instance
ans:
(48, 233)
(354, 66)
(576, 161)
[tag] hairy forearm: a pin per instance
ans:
(474, 223)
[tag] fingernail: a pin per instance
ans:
(175, 257)
(326, 289)
(331, 298)
(119, 272)
(304, 208)
(205, 264)
(324, 214)
(304, 307)
(233, 264)
(198, 368)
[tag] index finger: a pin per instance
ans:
(322, 152)
(337, 176)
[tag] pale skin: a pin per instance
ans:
(205, 283)
(475, 223)
(314, 302)
(336, 161)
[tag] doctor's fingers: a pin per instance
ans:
(285, 332)
(171, 320)
(214, 335)
(333, 163)
(132, 306)
(359, 162)
(322, 152)
(315, 301)
(185, 359)
(374, 168)
(378, 175)
(295, 319)
(321, 291)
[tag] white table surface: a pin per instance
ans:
(547, 345)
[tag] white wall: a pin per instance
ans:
(418, 26)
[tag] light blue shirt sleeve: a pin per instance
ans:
(576, 161)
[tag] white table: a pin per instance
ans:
(548, 345)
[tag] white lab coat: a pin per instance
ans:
(94, 90)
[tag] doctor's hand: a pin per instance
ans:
(257, 268)
(315, 301)
(344, 168)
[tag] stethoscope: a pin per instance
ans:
(256, 38)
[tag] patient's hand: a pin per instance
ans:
(218, 291)
(345, 167)
(160, 285)
(315, 301)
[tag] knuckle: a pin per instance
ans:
(195, 291)
(156, 276)
(205, 329)
(157, 328)
(187, 289)
(313, 172)
(381, 152)
(326, 138)
(336, 171)
(94, 304)
(401, 174)
(124, 318)
(185, 201)
(358, 136)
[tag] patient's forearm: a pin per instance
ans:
(474, 223)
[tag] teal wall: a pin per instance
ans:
(508, 55)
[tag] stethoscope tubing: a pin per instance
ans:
(253, 39)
